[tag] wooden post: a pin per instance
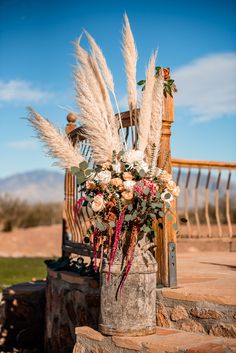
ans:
(166, 237)
(68, 188)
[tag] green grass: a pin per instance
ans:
(17, 270)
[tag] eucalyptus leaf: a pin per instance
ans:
(74, 170)
(128, 217)
(143, 204)
(80, 179)
(112, 224)
(175, 226)
(130, 207)
(142, 173)
(101, 226)
(88, 172)
(169, 217)
(146, 191)
(161, 214)
(83, 165)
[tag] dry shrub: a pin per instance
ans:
(17, 213)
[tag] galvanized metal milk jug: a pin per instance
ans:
(132, 311)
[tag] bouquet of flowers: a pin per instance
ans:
(126, 196)
(125, 190)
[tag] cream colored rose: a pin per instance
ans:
(129, 184)
(117, 182)
(90, 185)
(106, 165)
(98, 203)
(176, 191)
(132, 156)
(127, 195)
(173, 188)
(171, 185)
(164, 176)
(103, 177)
(127, 176)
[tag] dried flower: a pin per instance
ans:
(127, 176)
(133, 156)
(90, 185)
(166, 73)
(116, 182)
(116, 168)
(103, 177)
(106, 165)
(127, 195)
(129, 184)
(173, 188)
(167, 196)
(164, 176)
(98, 203)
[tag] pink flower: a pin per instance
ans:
(145, 183)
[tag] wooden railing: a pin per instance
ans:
(208, 198)
(74, 233)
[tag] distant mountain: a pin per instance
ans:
(48, 186)
(34, 186)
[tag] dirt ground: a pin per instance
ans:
(44, 241)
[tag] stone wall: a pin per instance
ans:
(193, 316)
(163, 341)
(71, 301)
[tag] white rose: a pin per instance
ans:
(129, 184)
(103, 177)
(133, 156)
(166, 196)
(98, 203)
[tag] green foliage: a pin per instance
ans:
(169, 84)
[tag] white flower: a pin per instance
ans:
(173, 188)
(133, 156)
(142, 165)
(117, 168)
(98, 203)
(167, 196)
(129, 184)
(103, 177)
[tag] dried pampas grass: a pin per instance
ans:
(94, 123)
(57, 143)
(107, 75)
(154, 138)
(98, 54)
(130, 56)
(93, 98)
(144, 120)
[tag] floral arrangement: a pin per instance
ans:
(126, 196)
(169, 83)
(125, 190)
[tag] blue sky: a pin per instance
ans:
(197, 39)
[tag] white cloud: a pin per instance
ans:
(207, 87)
(22, 144)
(22, 91)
